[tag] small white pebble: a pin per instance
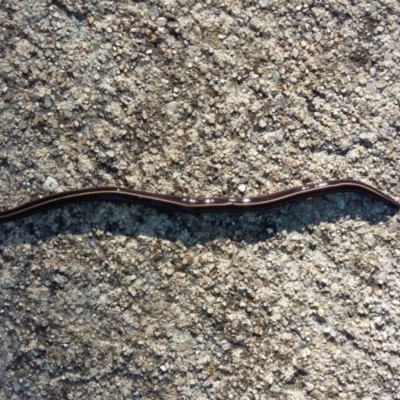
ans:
(173, 106)
(162, 21)
(264, 3)
(275, 389)
(50, 185)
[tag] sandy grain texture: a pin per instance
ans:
(207, 98)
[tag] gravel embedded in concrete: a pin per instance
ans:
(227, 98)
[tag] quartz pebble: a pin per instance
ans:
(162, 21)
(242, 188)
(50, 185)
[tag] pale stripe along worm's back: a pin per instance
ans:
(191, 204)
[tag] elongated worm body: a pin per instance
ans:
(194, 205)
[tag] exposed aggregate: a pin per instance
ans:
(207, 98)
